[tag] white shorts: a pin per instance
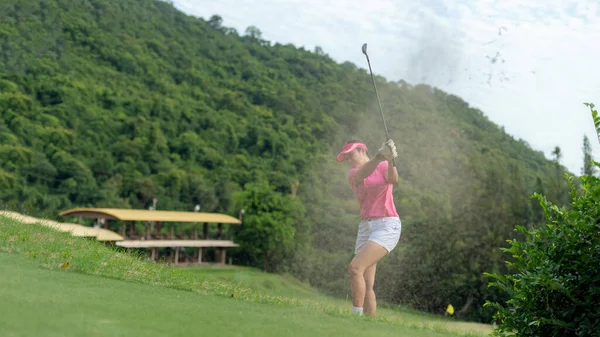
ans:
(383, 231)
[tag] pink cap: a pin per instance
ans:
(349, 148)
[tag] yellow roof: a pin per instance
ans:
(147, 215)
(101, 234)
(107, 235)
(175, 243)
(74, 229)
(23, 218)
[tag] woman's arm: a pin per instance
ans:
(386, 152)
(367, 169)
(392, 172)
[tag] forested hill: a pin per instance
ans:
(113, 103)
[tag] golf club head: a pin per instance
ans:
(364, 49)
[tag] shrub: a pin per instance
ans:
(555, 287)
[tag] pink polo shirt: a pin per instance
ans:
(374, 193)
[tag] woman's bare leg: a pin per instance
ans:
(368, 255)
(370, 306)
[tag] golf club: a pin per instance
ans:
(387, 136)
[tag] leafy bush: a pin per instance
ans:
(595, 117)
(268, 232)
(555, 290)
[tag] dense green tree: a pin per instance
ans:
(269, 228)
(553, 285)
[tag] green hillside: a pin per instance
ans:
(112, 104)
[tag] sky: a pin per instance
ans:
(528, 65)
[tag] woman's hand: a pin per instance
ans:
(387, 150)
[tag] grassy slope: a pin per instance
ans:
(159, 298)
(267, 283)
(286, 286)
(82, 305)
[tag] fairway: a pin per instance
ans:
(272, 284)
(38, 302)
(289, 287)
(105, 292)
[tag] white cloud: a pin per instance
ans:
(549, 48)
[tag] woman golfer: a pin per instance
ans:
(371, 180)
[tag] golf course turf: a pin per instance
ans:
(103, 292)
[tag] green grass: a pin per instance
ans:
(287, 286)
(110, 292)
(38, 302)
(266, 283)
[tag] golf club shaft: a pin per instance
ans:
(387, 136)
